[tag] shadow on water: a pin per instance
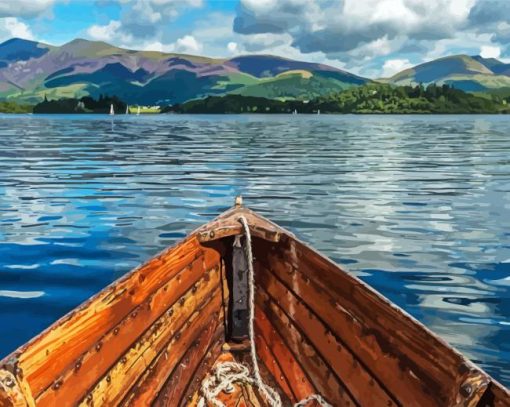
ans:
(417, 206)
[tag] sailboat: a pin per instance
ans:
(112, 112)
(127, 109)
(318, 111)
(295, 111)
(138, 111)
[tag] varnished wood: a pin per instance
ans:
(44, 358)
(227, 224)
(111, 389)
(186, 371)
(151, 337)
(298, 382)
(197, 333)
(413, 364)
(313, 365)
(95, 361)
(343, 363)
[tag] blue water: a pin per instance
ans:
(417, 206)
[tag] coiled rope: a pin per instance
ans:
(227, 373)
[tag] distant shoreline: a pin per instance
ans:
(366, 99)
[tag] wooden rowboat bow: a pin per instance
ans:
(160, 335)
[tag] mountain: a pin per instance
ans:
(471, 74)
(29, 71)
(496, 66)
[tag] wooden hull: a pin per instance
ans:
(151, 337)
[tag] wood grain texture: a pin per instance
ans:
(44, 358)
(227, 224)
(11, 393)
(315, 368)
(495, 396)
(194, 339)
(267, 357)
(365, 388)
(94, 363)
(293, 373)
(185, 374)
(190, 395)
(416, 367)
(112, 387)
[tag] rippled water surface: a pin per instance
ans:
(417, 206)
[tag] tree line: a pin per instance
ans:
(371, 98)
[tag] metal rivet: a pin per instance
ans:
(466, 390)
(9, 382)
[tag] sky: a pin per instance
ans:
(373, 38)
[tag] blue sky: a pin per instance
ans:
(368, 37)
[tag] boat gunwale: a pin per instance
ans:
(262, 228)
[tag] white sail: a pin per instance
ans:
(127, 109)
(112, 112)
(319, 111)
(138, 111)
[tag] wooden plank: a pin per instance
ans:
(184, 374)
(227, 224)
(191, 395)
(312, 364)
(345, 365)
(112, 387)
(61, 345)
(495, 396)
(95, 362)
(266, 356)
(195, 339)
(295, 376)
(369, 332)
(11, 393)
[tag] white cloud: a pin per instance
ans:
(354, 31)
(393, 66)
(104, 32)
(490, 51)
(24, 8)
(186, 45)
(12, 27)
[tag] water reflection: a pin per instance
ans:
(417, 206)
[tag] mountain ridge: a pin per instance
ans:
(468, 73)
(30, 71)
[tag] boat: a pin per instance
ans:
(138, 111)
(127, 109)
(112, 111)
(237, 296)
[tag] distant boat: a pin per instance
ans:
(138, 111)
(112, 112)
(295, 111)
(318, 111)
(127, 109)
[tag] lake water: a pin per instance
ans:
(417, 206)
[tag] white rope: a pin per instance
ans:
(228, 373)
